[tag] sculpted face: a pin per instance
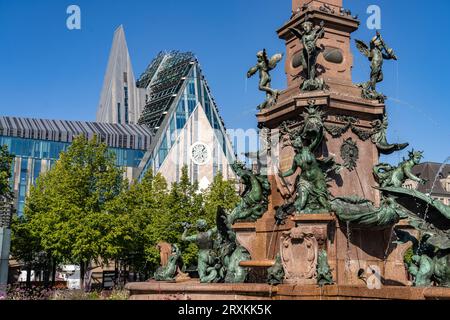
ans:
(307, 27)
(297, 143)
(417, 158)
(238, 169)
(260, 56)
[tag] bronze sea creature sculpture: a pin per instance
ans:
(229, 251)
(379, 137)
(254, 198)
(390, 176)
(324, 275)
(168, 272)
(275, 274)
(363, 214)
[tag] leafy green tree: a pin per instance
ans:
(26, 248)
(67, 207)
(6, 201)
(221, 193)
(186, 205)
(6, 193)
(140, 222)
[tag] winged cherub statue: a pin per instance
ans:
(308, 36)
(264, 66)
(377, 53)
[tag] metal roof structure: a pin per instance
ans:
(128, 136)
(163, 80)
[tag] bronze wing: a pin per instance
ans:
(296, 32)
(274, 60)
(362, 47)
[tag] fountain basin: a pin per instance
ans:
(194, 290)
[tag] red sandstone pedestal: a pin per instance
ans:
(299, 247)
(194, 290)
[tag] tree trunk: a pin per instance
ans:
(116, 275)
(88, 276)
(46, 275)
(29, 275)
(53, 272)
(82, 272)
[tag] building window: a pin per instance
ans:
(191, 106)
(172, 131)
(181, 115)
(36, 170)
(125, 89)
(163, 151)
(208, 110)
(22, 186)
(191, 87)
(119, 116)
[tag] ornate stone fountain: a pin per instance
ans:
(322, 217)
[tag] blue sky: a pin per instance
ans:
(48, 71)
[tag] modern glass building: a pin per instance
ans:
(173, 100)
(184, 117)
(37, 144)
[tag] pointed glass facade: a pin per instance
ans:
(168, 118)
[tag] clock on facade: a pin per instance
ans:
(200, 153)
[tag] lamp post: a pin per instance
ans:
(5, 245)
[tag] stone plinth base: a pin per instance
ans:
(194, 290)
(300, 247)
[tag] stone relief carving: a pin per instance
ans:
(350, 154)
(300, 252)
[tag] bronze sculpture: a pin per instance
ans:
(389, 176)
(379, 137)
(376, 53)
(324, 275)
(254, 202)
(308, 36)
(207, 259)
(275, 274)
(229, 251)
(168, 272)
(312, 189)
(220, 254)
(264, 66)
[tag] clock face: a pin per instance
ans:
(200, 153)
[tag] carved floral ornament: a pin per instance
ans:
(335, 130)
(348, 122)
(350, 154)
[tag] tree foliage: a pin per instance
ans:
(66, 210)
(6, 160)
(6, 193)
(82, 210)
